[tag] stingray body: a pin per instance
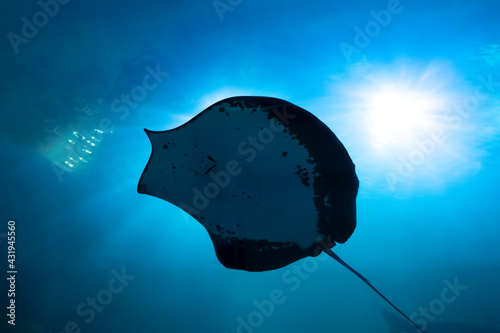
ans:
(268, 180)
(254, 172)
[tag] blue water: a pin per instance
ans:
(412, 89)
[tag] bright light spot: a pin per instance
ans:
(92, 144)
(87, 151)
(396, 115)
(71, 165)
(410, 127)
(71, 141)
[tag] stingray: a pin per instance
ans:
(269, 181)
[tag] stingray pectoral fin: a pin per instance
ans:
(365, 280)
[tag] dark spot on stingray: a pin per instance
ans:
(165, 146)
(325, 216)
(303, 175)
(210, 158)
(284, 153)
(208, 170)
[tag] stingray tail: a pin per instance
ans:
(365, 280)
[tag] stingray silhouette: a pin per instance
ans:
(268, 180)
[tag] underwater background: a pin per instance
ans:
(410, 87)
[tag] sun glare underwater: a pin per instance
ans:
(410, 89)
